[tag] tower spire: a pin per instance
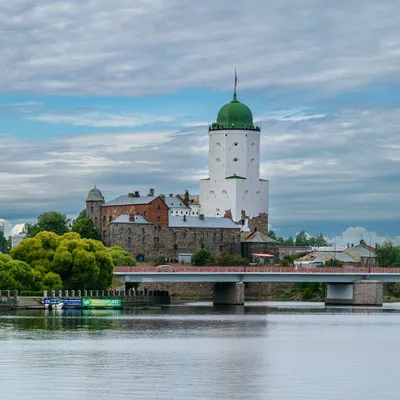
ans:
(234, 86)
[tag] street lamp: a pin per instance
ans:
(334, 248)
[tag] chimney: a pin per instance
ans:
(201, 216)
(151, 192)
(162, 196)
(171, 195)
(131, 195)
(137, 194)
(132, 217)
(352, 245)
(184, 218)
(186, 197)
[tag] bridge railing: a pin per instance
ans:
(262, 269)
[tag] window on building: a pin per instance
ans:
(194, 237)
(221, 236)
(159, 227)
(156, 239)
(221, 247)
(236, 144)
(158, 219)
(158, 207)
(95, 220)
(174, 236)
(214, 236)
(181, 212)
(91, 209)
(110, 219)
(172, 211)
(175, 247)
(155, 227)
(246, 192)
(104, 219)
(129, 240)
(253, 160)
(202, 236)
(235, 159)
(104, 233)
(218, 160)
(142, 240)
(129, 230)
(224, 192)
(242, 222)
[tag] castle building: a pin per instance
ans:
(233, 200)
(234, 187)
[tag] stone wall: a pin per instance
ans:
(151, 241)
(258, 291)
(368, 293)
(249, 248)
(259, 223)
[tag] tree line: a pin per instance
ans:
(301, 239)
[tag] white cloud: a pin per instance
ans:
(354, 235)
(147, 47)
(102, 120)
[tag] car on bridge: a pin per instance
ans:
(167, 268)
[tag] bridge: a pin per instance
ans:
(352, 285)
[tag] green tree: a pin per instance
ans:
(80, 263)
(227, 259)
(85, 227)
(272, 235)
(202, 257)
(302, 239)
(333, 263)
(120, 257)
(289, 241)
(387, 255)
(161, 260)
(50, 221)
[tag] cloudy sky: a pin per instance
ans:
(119, 94)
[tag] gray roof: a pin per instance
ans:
(124, 219)
(362, 251)
(176, 221)
(323, 256)
(257, 237)
(175, 202)
(126, 200)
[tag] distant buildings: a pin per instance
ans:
(17, 239)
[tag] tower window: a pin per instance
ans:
(218, 144)
(236, 144)
(246, 192)
(235, 159)
(252, 160)
(224, 192)
(253, 144)
(158, 219)
(218, 160)
(211, 191)
(91, 210)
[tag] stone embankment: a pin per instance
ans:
(257, 291)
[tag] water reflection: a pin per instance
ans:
(197, 351)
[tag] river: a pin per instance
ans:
(195, 351)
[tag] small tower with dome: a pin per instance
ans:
(94, 201)
(234, 182)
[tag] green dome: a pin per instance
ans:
(235, 115)
(95, 195)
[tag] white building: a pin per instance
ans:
(17, 239)
(234, 182)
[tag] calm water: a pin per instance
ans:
(194, 351)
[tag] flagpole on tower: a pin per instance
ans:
(234, 87)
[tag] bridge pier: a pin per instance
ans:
(228, 293)
(358, 293)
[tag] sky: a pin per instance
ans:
(119, 94)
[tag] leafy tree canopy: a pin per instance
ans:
(121, 257)
(387, 255)
(80, 263)
(50, 221)
(202, 257)
(18, 275)
(85, 227)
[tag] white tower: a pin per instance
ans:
(234, 165)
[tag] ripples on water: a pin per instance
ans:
(195, 351)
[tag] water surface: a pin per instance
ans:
(195, 351)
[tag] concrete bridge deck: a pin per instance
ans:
(257, 274)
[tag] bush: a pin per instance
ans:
(202, 257)
(227, 259)
(161, 260)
